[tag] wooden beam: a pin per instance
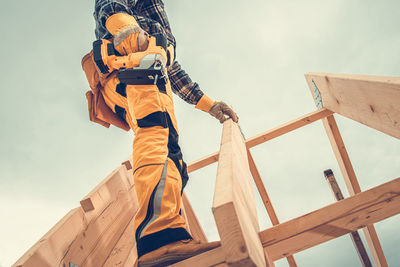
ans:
(132, 258)
(355, 237)
(265, 199)
(93, 245)
(234, 207)
(49, 250)
(370, 100)
(106, 192)
(288, 127)
(124, 247)
(203, 162)
(332, 221)
(194, 225)
(266, 136)
(212, 257)
(352, 185)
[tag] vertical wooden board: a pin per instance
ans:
(370, 100)
(235, 170)
(234, 203)
(49, 250)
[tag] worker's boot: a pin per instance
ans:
(175, 252)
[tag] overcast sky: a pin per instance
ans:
(250, 54)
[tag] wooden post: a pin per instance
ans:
(370, 100)
(234, 204)
(352, 185)
(332, 221)
(355, 237)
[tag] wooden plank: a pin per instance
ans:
(93, 245)
(341, 155)
(124, 247)
(266, 136)
(332, 221)
(210, 258)
(49, 250)
(105, 192)
(203, 162)
(352, 185)
(261, 189)
(195, 228)
(132, 258)
(288, 127)
(265, 199)
(234, 205)
(370, 100)
(355, 237)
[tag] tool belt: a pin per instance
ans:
(98, 75)
(99, 112)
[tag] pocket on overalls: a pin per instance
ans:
(146, 104)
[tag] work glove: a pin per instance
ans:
(219, 109)
(222, 112)
(128, 36)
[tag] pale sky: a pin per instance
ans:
(250, 54)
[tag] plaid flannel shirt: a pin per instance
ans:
(151, 16)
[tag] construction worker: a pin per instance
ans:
(160, 174)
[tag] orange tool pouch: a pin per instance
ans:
(99, 112)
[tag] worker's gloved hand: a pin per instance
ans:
(222, 112)
(128, 36)
(217, 109)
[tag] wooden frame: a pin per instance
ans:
(83, 237)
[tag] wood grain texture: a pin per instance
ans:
(124, 247)
(210, 258)
(332, 221)
(234, 203)
(352, 185)
(93, 245)
(371, 100)
(50, 249)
